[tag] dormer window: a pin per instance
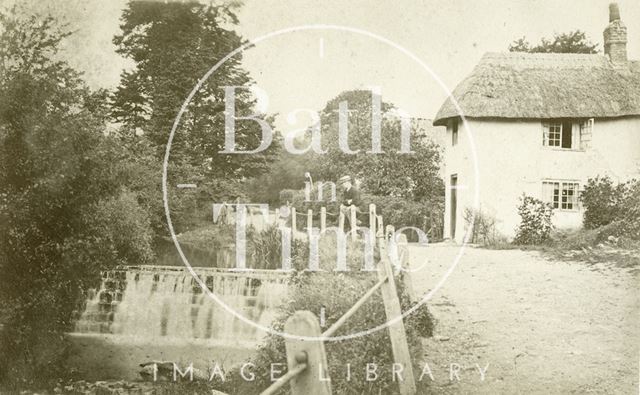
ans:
(570, 134)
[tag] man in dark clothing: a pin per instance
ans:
(350, 198)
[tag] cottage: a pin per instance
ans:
(542, 124)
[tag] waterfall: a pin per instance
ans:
(151, 303)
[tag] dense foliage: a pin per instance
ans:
(172, 46)
(604, 202)
(406, 187)
(572, 42)
(614, 208)
(484, 228)
(337, 293)
(81, 173)
(425, 215)
(65, 209)
(390, 173)
(535, 221)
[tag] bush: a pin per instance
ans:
(337, 293)
(424, 215)
(575, 239)
(602, 201)
(631, 211)
(631, 201)
(40, 304)
(535, 221)
(621, 232)
(484, 228)
(289, 196)
(400, 212)
(265, 249)
(615, 209)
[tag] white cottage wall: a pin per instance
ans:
(512, 160)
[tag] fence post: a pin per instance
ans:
(309, 221)
(380, 228)
(372, 222)
(323, 219)
(402, 248)
(293, 222)
(341, 220)
(314, 380)
(276, 216)
(397, 333)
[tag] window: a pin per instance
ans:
(586, 130)
(559, 133)
(572, 134)
(562, 195)
(553, 135)
(454, 132)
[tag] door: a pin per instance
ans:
(454, 204)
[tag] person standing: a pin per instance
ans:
(350, 198)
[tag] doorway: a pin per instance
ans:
(454, 204)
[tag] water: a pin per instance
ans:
(153, 303)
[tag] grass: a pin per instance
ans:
(583, 245)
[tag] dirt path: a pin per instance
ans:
(542, 326)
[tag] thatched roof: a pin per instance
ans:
(531, 86)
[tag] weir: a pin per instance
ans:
(166, 302)
(147, 313)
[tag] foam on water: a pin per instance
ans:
(156, 304)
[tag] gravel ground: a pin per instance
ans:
(542, 326)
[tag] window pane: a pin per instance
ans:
(586, 128)
(555, 131)
(561, 195)
(570, 196)
(553, 193)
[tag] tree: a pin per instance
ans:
(286, 172)
(412, 176)
(572, 42)
(406, 187)
(173, 45)
(65, 211)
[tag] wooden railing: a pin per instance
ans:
(306, 359)
(292, 218)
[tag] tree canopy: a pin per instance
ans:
(411, 176)
(173, 45)
(572, 42)
(65, 210)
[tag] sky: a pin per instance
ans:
(304, 69)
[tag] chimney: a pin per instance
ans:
(615, 36)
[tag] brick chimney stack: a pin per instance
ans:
(615, 36)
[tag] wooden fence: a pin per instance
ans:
(307, 360)
(322, 218)
(288, 216)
